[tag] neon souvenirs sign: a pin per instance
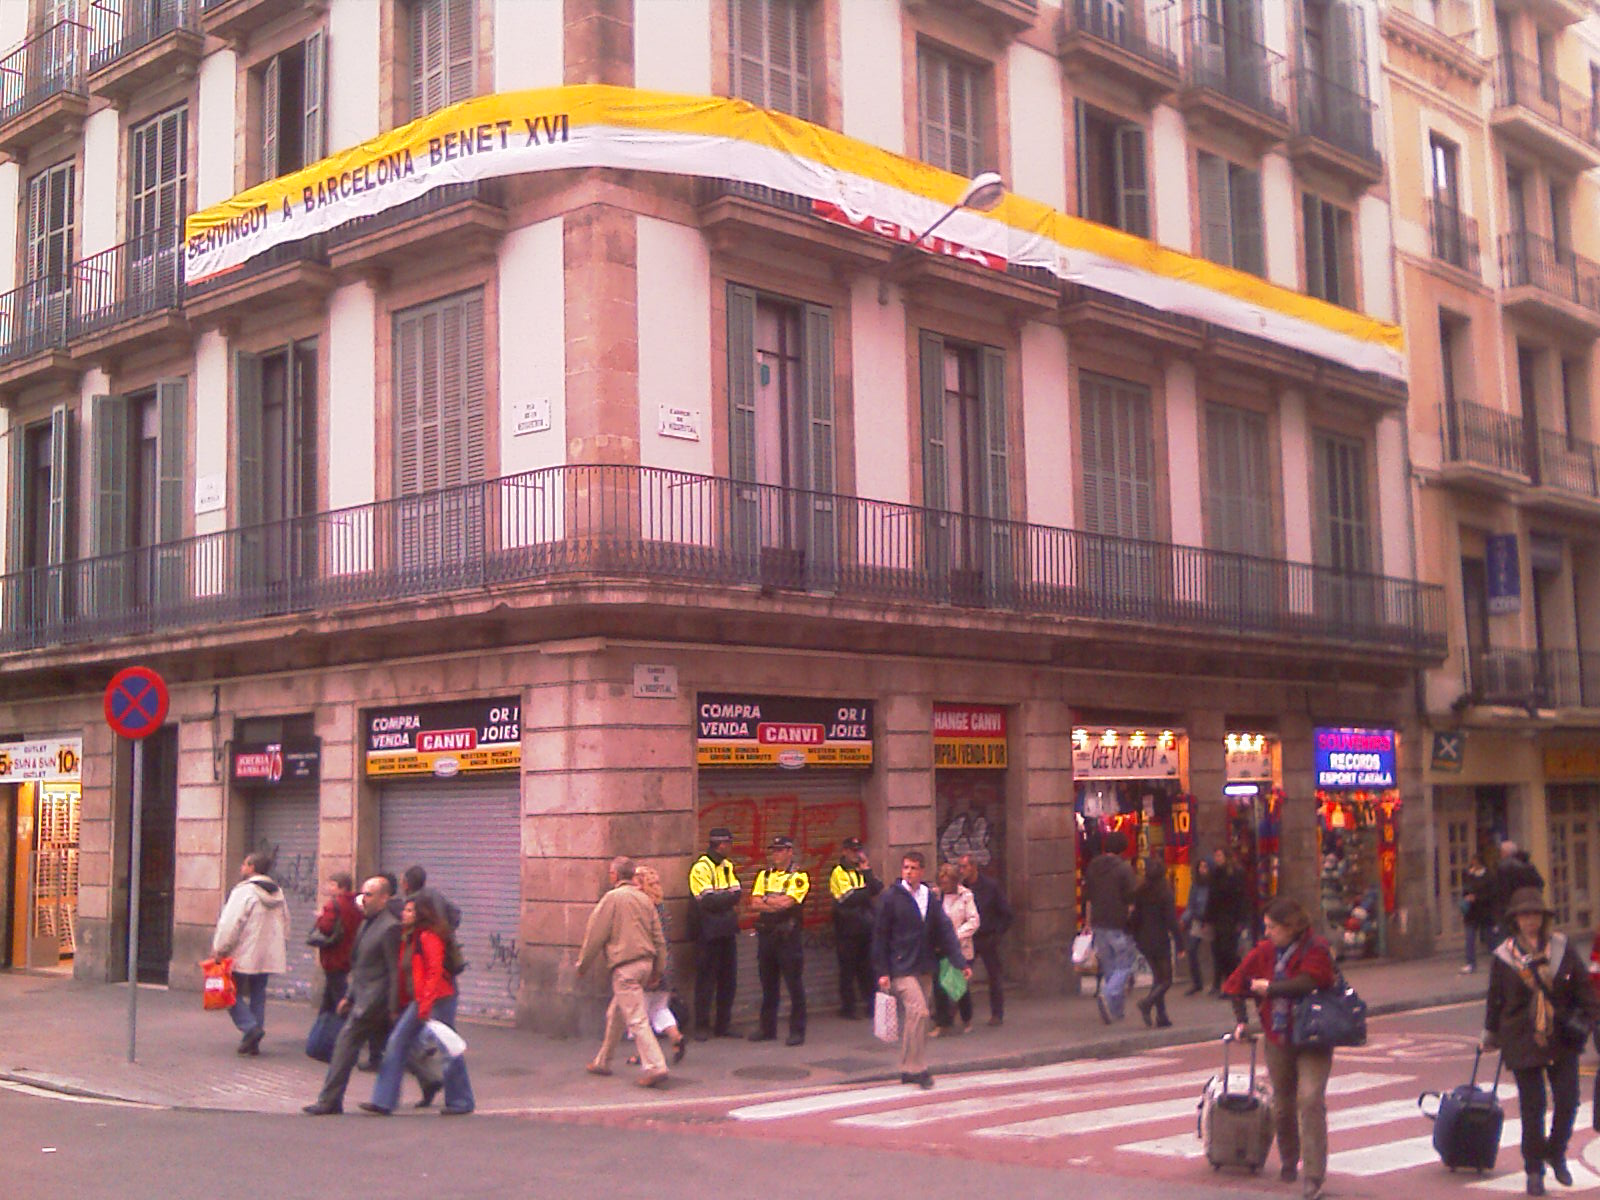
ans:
(1355, 759)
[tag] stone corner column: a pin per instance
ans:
(1043, 839)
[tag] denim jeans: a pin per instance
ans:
(1474, 932)
(457, 1086)
(1117, 955)
(249, 1011)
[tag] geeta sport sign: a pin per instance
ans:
(458, 738)
(782, 731)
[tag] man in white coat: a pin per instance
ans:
(254, 931)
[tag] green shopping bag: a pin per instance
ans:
(952, 981)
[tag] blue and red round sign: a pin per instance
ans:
(136, 702)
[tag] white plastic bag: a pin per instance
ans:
(886, 1018)
(451, 1043)
(1084, 960)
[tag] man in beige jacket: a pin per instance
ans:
(625, 928)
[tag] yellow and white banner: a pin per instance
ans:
(597, 125)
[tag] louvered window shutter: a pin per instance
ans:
(1118, 468)
(247, 424)
(817, 368)
(1244, 194)
(16, 499)
(935, 464)
(782, 81)
(1316, 269)
(1344, 258)
(271, 107)
(742, 383)
(1222, 507)
(997, 480)
(461, 63)
(63, 485)
(747, 48)
(1080, 152)
(1133, 193)
(933, 102)
(474, 417)
(172, 399)
(408, 403)
(1216, 222)
(315, 98)
(429, 70)
(1322, 481)
(111, 448)
(37, 208)
(1089, 406)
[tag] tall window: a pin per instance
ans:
(1118, 457)
(443, 54)
(952, 100)
(1444, 158)
(158, 183)
(294, 107)
(1330, 251)
(1344, 536)
(51, 225)
(138, 450)
(1230, 214)
(1113, 186)
(770, 52)
(964, 462)
(275, 423)
(1475, 606)
(1239, 489)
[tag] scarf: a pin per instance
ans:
(1533, 967)
(1282, 1006)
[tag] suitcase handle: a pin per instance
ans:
(1477, 1055)
(1227, 1040)
(1434, 1115)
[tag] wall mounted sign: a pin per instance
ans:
(1126, 753)
(682, 423)
(1354, 759)
(782, 731)
(47, 758)
(1504, 571)
(1249, 759)
(269, 764)
(655, 682)
(532, 416)
(1572, 762)
(1449, 750)
(458, 738)
(969, 736)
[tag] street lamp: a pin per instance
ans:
(983, 193)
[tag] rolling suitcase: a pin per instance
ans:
(1467, 1125)
(1235, 1127)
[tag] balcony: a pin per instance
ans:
(648, 526)
(133, 43)
(1481, 448)
(1569, 474)
(235, 20)
(1550, 14)
(1444, 31)
(132, 292)
(1454, 236)
(1096, 38)
(467, 219)
(294, 273)
(1543, 115)
(1547, 282)
(33, 334)
(1233, 82)
(1535, 679)
(1333, 129)
(1006, 17)
(42, 90)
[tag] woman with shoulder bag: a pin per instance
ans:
(1288, 964)
(1540, 1012)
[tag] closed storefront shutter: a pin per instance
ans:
(818, 810)
(284, 824)
(468, 836)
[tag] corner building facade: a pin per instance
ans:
(506, 518)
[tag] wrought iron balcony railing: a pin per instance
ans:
(46, 65)
(1482, 436)
(1529, 260)
(1536, 678)
(1234, 65)
(1569, 464)
(1455, 236)
(139, 277)
(1150, 39)
(1524, 83)
(118, 28)
(1332, 112)
(486, 191)
(640, 523)
(33, 317)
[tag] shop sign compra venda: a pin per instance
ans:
(782, 731)
(445, 739)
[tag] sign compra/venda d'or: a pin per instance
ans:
(458, 738)
(969, 736)
(782, 731)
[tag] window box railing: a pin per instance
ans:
(1536, 678)
(1521, 82)
(1483, 436)
(1569, 464)
(664, 526)
(1150, 39)
(1218, 59)
(119, 28)
(1530, 260)
(139, 277)
(484, 191)
(33, 318)
(1455, 236)
(48, 64)
(1333, 112)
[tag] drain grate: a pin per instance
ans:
(772, 1074)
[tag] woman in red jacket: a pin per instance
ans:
(336, 929)
(425, 992)
(1290, 962)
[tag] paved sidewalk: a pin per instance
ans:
(62, 1035)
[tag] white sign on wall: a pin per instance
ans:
(533, 416)
(210, 494)
(678, 423)
(52, 758)
(655, 682)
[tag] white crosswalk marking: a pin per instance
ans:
(1414, 1152)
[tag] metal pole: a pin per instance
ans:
(135, 852)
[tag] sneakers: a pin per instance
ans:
(923, 1079)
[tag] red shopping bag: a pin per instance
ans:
(220, 991)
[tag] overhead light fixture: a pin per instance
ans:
(983, 192)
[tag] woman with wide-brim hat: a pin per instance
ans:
(1539, 1007)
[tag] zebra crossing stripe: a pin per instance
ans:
(1414, 1152)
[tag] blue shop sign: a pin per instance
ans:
(1354, 759)
(1505, 575)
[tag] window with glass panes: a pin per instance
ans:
(159, 181)
(1118, 457)
(1238, 484)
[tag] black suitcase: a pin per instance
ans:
(1467, 1125)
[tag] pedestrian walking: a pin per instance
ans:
(334, 936)
(1158, 935)
(1477, 911)
(424, 991)
(1196, 931)
(1290, 962)
(911, 924)
(378, 1040)
(994, 919)
(253, 930)
(625, 932)
(659, 993)
(962, 910)
(1539, 1014)
(1514, 873)
(777, 897)
(1227, 912)
(415, 881)
(1108, 884)
(854, 887)
(714, 894)
(368, 1002)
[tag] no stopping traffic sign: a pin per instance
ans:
(136, 702)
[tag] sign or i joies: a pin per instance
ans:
(454, 738)
(782, 731)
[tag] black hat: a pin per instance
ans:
(721, 834)
(852, 843)
(780, 842)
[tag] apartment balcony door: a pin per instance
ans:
(1573, 847)
(156, 206)
(277, 419)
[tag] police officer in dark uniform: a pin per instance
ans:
(854, 887)
(776, 899)
(714, 887)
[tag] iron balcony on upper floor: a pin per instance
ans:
(42, 89)
(1133, 46)
(1543, 115)
(1567, 479)
(642, 525)
(1534, 679)
(135, 43)
(1549, 282)
(1231, 81)
(235, 20)
(1483, 449)
(1455, 238)
(1334, 129)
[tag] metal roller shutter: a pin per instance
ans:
(468, 835)
(284, 823)
(818, 810)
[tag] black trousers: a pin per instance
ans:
(781, 958)
(1537, 1147)
(987, 950)
(716, 977)
(1160, 983)
(1224, 953)
(855, 969)
(346, 1049)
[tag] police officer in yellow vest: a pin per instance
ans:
(776, 900)
(854, 887)
(714, 922)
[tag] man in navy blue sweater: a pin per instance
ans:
(910, 921)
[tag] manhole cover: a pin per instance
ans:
(851, 1066)
(771, 1074)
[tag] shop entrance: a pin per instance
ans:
(43, 874)
(155, 871)
(1573, 847)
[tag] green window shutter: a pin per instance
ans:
(461, 66)
(63, 487)
(742, 383)
(172, 401)
(1345, 257)
(1311, 213)
(315, 97)
(817, 368)
(1244, 194)
(1216, 221)
(110, 448)
(1119, 487)
(935, 465)
(996, 500)
(17, 497)
(271, 103)
(247, 432)
(1080, 148)
(1239, 508)
(1133, 191)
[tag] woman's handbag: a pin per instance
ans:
(219, 990)
(1084, 960)
(1573, 1028)
(1330, 1017)
(323, 941)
